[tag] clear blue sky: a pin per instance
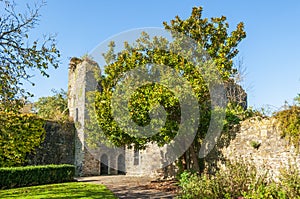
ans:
(270, 53)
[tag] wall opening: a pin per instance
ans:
(104, 165)
(121, 164)
(136, 157)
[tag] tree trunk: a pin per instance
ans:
(194, 158)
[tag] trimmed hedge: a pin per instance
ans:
(35, 175)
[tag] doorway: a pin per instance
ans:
(104, 165)
(121, 165)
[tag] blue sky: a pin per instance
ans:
(270, 53)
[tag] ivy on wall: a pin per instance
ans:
(20, 134)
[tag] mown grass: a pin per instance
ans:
(63, 190)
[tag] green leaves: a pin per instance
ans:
(53, 107)
(35, 175)
(289, 123)
(212, 36)
(18, 54)
(209, 35)
(19, 134)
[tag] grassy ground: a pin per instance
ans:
(63, 190)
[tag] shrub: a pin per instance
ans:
(240, 180)
(197, 186)
(290, 179)
(265, 191)
(255, 144)
(289, 123)
(35, 175)
(231, 182)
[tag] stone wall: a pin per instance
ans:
(91, 165)
(256, 140)
(58, 146)
(145, 162)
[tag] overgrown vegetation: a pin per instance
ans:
(240, 180)
(289, 123)
(35, 175)
(235, 114)
(20, 134)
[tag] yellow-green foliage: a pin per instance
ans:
(289, 123)
(220, 45)
(240, 179)
(19, 135)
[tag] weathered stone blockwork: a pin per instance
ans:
(257, 140)
(148, 162)
(81, 81)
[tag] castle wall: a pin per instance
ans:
(272, 153)
(58, 146)
(144, 162)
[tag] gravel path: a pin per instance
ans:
(128, 186)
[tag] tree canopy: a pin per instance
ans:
(53, 107)
(19, 53)
(213, 38)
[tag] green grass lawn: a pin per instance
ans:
(63, 190)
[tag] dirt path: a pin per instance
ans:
(129, 186)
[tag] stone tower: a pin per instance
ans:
(81, 80)
(105, 160)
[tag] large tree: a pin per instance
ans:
(19, 56)
(19, 53)
(213, 38)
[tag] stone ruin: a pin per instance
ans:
(131, 162)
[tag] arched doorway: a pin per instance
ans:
(104, 165)
(121, 164)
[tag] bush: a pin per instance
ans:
(198, 186)
(237, 178)
(265, 191)
(240, 180)
(35, 175)
(290, 181)
(289, 123)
